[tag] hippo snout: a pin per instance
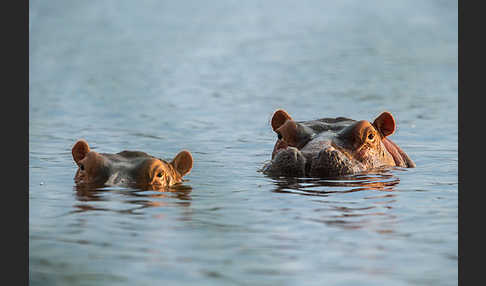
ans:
(287, 162)
(331, 162)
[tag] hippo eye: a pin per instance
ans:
(81, 166)
(279, 136)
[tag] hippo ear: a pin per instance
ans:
(183, 162)
(279, 118)
(385, 124)
(80, 149)
(288, 132)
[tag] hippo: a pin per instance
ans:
(128, 167)
(333, 147)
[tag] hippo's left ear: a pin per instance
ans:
(385, 124)
(79, 150)
(279, 118)
(183, 162)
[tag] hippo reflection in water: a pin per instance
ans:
(331, 147)
(128, 167)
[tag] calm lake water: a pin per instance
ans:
(161, 76)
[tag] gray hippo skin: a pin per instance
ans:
(331, 147)
(128, 167)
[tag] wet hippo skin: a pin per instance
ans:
(128, 167)
(329, 147)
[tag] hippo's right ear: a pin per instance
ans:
(385, 123)
(183, 162)
(279, 117)
(80, 149)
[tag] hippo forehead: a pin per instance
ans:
(127, 156)
(328, 124)
(324, 129)
(129, 161)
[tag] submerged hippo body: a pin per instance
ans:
(128, 167)
(330, 147)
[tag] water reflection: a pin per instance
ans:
(140, 196)
(350, 202)
(353, 183)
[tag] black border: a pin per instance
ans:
(15, 141)
(470, 168)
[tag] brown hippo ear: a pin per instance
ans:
(288, 133)
(279, 118)
(385, 124)
(182, 162)
(80, 149)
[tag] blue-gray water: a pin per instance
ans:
(161, 76)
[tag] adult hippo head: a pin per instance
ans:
(128, 167)
(331, 147)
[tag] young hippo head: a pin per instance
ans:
(128, 167)
(333, 146)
